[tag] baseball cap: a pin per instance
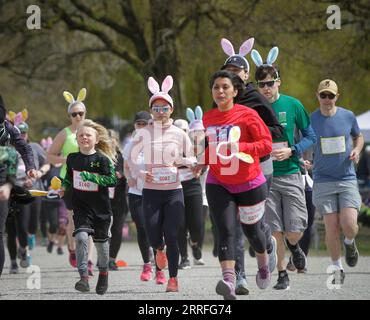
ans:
(142, 116)
(23, 127)
(236, 61)
(328, 85)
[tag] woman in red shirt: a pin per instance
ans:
(236, 187)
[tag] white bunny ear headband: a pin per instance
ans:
(271, 57)
(71, 100)
(237, 58)
(162, 93)
(195, 119)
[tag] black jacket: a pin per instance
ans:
(250, 97)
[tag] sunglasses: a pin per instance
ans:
(158, 109)
(74, 114)
(270, 84)
(323, 95)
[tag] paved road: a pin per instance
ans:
(58, 278)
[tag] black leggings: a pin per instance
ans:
(164, 213)
(224, 207)
(49, 214)
(135, 203)
(193, 222)
(119, 209)
(305, 241)
(33, 212)
(3, 216)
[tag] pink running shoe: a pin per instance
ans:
(146, 275)
(161, 259)
(263, 277)
(160, 278)
(72, 258)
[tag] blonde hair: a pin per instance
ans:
(104, 145)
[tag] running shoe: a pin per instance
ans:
(263, 277)
(338, 277)
(102, 284)
(197, 251)
(351, 254)
(283, 281)
(90, 268)
(112, 265)
(13, 268)
(199, 262)
(226, 289)
(31, 241)
(60, 251)
(172, 285)
(82, 285)
(25, 258)
(146, 274)
(241, 286)
(161, 259)
(50, 247)
(298, 257)
(160, 278)
(290, 265)
(184, 264)
(272, 255)
(72, 258)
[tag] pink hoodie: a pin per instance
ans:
(165, 147)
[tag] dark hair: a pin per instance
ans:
(263, 71)
(235, 79)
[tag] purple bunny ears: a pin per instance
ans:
(153, 86)
(244, 49)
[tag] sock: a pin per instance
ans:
(229, 275)
(348, 241)
(262, 261)
(282, 273)
(338, 263)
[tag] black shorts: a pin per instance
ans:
(68, 199)
(97, 226)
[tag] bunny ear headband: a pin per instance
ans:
(18, 118)
(195, 119)
(271, 57)
(46, 143)
(153, 86)
(244, 49)
(71, 100)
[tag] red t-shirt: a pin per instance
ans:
(255, 140)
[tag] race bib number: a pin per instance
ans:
(333, 145)
(164, 175)
(111, 192)
(185, 174)
(79, 184)
(251, 214)
(277, 146)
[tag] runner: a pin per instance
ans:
(250, 97)
(119, 203)
(335, 190)
(236, 188)
(163, 147)
(286, 211)
(89, 174)
(135, 200)
(65, 143)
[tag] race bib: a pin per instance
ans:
(277, 146)
(164, 175)
(185, 174)
(333, 145)
(251, 214)
(111, 192)
(79, 184)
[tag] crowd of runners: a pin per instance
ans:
(256, 163)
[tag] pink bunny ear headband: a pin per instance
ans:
(237, 59)
(46, 143)
(160, 94)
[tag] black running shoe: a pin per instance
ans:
(82, 285)
(298, 256)
(338, 277)
(351, 254)
(50, 246)
(102, 285)
(184, 264)
(197, 252)
(283, 281)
